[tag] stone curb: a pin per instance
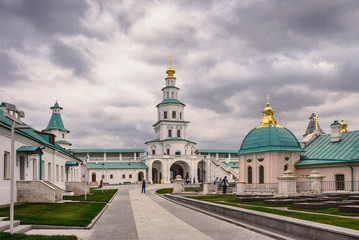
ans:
(232, 221)
(284, 225)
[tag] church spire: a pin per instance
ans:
(170, 71)
(55, 122)
(313, 125)
(344, 125)
(268, 119)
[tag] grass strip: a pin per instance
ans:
(332, 211)
(164, 190)
(8, 236)
(331, 220)
(61, 214)
(94, 196)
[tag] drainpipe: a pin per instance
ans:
(352, 175)
(40, 177)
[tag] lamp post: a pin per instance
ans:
(14, 115)
(103, 166)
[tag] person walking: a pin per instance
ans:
(225, 184)
(143, 186)
(194, 180)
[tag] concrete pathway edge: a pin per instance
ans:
(280, 224)
(232, 221)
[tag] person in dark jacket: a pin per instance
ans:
(143, 186)
(225, 184)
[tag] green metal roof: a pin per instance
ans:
(170, 87)
(217, 151)
(112, 165)
(232, 164)
(269, 139)
(93, 150)
(28, 149)
(56, 106)
(170, 101)
(170, 139)
(56, 123)
(31, 134)
(72, 163)
(322, 150)
(63, 142)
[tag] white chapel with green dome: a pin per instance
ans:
(267, 151)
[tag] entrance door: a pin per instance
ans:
(93, 177)
(22, 168)
(339, 182)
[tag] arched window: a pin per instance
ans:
(286, 167)
(249, 175)
(261, 174)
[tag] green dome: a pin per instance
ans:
(269, 138)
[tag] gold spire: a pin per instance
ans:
(344, 125)
(268, 119)
(316, 118)
(170, 71)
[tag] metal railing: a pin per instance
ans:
(340, 186)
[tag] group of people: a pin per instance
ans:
(189, 180)
(224, 182)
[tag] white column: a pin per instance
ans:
(287, 184)
(104, 157)
(134, 156)
(120, 156)
(315, 181)
(149, 171)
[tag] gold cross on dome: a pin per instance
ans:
(316, 121)
(171, 58)
(267, 100)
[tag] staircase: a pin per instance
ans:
(225, 168)
(5, 226)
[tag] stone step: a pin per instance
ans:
(68, 193)
(21, 229)
(5, 225)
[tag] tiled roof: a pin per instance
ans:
(99, 150)
(323, 150)
(113, 165)
(269, 139)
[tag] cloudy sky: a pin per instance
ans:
(105, 62)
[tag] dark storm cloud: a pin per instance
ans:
(9, 71)
(288, 26)
(71, 58)
(48, 17)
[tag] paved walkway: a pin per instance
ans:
(133, 215)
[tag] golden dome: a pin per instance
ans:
(268, 119)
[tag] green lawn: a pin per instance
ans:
(331, 220)
(333, 211)
(63, 214)
(8, 236)
(186, 189)
(94, 195)
(164, 190)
